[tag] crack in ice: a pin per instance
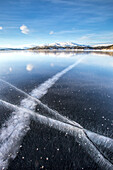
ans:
(79, 135)
(18, 124)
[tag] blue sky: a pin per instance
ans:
(25, 22)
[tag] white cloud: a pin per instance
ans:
(21, 46)
(52, 64)
(1, 28)
(10, 69)
(29, 67)
(24, 29)
(96, 38)
(73, 31)
(51, 32)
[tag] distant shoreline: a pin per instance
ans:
(62, 47)
(54, 50)
(59, 50)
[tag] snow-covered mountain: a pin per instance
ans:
(71, 45)
(101, 45)
(61, 44)
(16, 47)
(65, 44)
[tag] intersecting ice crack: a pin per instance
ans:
(76, 132)
(59, 122)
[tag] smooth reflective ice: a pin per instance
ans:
(77, 89)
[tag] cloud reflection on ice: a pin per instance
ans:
(29, 67)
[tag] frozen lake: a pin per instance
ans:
(79, 86)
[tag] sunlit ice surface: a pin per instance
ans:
(82, 93)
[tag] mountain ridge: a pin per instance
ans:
(64, 46)
(72, 45)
